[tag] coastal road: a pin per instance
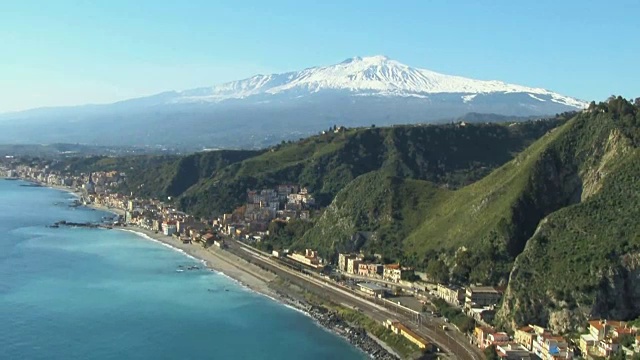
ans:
(449, 341)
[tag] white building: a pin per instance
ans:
(169, 228)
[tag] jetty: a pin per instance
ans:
(58, 224)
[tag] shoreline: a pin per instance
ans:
(259, 284)
(250, 277)
(257, 280)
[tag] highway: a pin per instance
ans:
(451, 342)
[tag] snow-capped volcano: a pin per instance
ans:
(265, 109)
(374, 75)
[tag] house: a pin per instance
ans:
(207, 238)
(597, 329)
(479, 296)
(370, 270)
(454, 295)
(600, 329)
(285, 189)
(513, 351)
(496, 338)
(395, 273)
(391, 272)
(169, 227)
(623, 330)
(549, 347)
(398, 328)
(524, 336)
(310, 258)
(342, 261)
(480, 334)
(587, 343)
(608, 346)
(352, 265)
(484, 314)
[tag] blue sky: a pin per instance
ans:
(78, 52)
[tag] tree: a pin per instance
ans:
(438, 271)
(619, 355)
(627, 340)
(490, 353)
(636, 102)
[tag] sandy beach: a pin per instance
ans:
(247, 274)
(215, 258)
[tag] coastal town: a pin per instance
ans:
(469, 312)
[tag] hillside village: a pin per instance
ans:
(471, 309)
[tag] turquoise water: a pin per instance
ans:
(107, 294)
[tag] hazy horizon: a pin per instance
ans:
(67, 53)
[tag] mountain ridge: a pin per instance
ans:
(374, 75)
(265, 109)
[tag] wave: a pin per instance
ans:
(218, 272)
(147, 237)
(252, 290)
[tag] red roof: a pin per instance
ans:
(596, 324)
(625, 330)
(486, 329)
(616, 323)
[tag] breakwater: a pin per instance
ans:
(332, 321)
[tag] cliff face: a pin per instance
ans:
(618, 295)
(614, 295)
(583, 260)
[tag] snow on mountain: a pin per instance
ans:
(375, 75)
(266, 109)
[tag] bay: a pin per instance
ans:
(77, 293)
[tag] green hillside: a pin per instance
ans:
(158, 176)
(418, 222)
(448, 155)
(382, 208)
(579, 186)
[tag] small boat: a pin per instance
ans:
(179, 270)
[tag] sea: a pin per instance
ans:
(80, 293)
